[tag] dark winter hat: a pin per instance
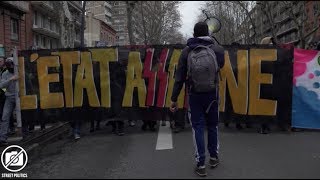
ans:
(200, 29)
(9, 62)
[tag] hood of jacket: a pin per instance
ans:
(203, 40)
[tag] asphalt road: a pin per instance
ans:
(243, 154)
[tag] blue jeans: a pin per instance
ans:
(8, 108)
(199, 104)
(76, 129)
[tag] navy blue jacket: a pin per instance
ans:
(181, 73)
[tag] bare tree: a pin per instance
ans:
(130, 7)
(157, 22)
(246, 6)
(235, 17)
(267, 8)
(297, 13)
(294, 11)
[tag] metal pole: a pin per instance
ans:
(130, 6)
(83, 23)
(17, 97)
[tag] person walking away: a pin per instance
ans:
(200, 61)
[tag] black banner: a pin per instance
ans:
(138, 81)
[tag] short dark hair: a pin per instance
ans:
(318, 46)
(200, 29)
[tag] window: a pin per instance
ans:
(43, 42)
(54, 44)
(315, 8)
(40, 21)
(35, 40)
(50, 3)
(38, 40)
(77, 35)
(14, 29)
(53, 26)
(35, 18)
(50, 24)
(44, 22)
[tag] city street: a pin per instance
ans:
(137, 154)
(72, 63)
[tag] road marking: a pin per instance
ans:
(164, 140)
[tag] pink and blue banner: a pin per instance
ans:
(306, 89)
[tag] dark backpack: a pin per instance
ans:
(203, 69)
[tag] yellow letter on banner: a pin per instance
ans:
(104, 56)
(47, 99)
(238, 89)
(26, 101)
(134, 79)
(85, 80)
(172, 66)
(67, 59)
(259, 106)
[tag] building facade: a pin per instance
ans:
(98, 33)
(45, 26)
(312, 30)
(55, 24)
(13, 26)
(285, 28)
(101, 10)
(119, 22)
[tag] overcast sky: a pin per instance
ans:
(189, 11)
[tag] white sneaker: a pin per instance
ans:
(132, 123)
(76, 136)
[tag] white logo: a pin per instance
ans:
(14, 158)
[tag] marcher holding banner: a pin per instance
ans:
(201, 61)
(8, 81)
(3, 97)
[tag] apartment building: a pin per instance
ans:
(286, 30)
(13, 26)
(98, 32)
(55, 24)
(119, 22)
(101, 10)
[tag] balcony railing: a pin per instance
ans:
(284, 31)
(21, 5)
(48, 5)
(108, 5)
(76, 4)
(45, 30)
(107, 13)
(77, 20)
